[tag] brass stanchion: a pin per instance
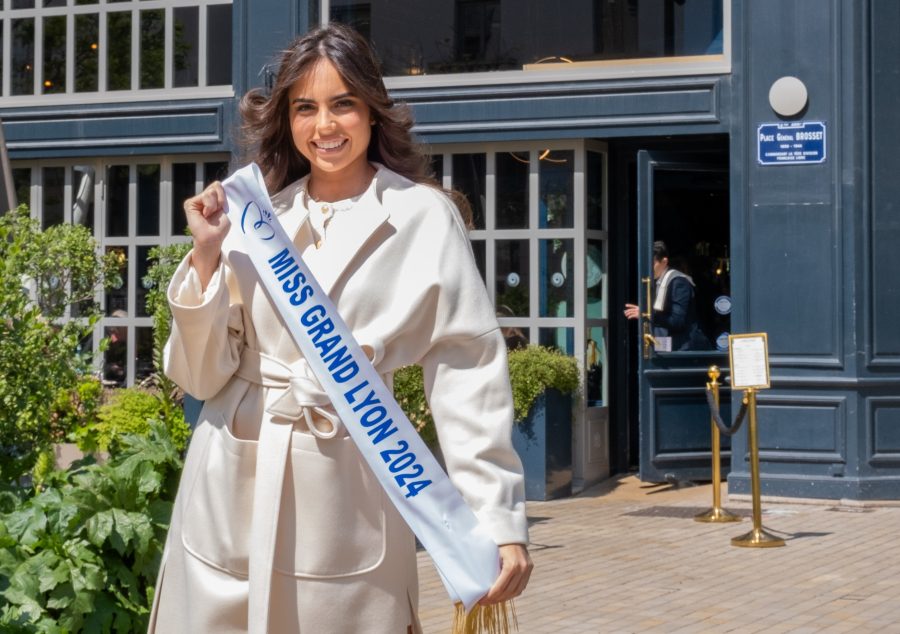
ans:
(716, 513)
(758, 537)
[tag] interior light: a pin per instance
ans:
(48, 83)
(94, 46)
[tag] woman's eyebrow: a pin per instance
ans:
(343, 95)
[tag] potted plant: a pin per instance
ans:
(543, 381)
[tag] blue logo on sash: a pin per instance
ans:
(260, 221)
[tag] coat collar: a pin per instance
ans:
(330, 262)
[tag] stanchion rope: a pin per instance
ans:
(717, 417)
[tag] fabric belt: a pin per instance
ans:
(293, 395)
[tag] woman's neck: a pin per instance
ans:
(329, 187)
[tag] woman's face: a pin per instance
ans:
(330, 126)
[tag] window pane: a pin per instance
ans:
(116, 355)
(53, 212)
(148, 200)
(490, 35)
(594, 365)
(83, 196)
(556, 202)
(557, 287)
(54, 3)
(118, 57)
(511, 283)
(563, 339)
(515, 336)
(353, 13)
(594, 202)
(143, 263)
(152, 48)
(117, 200)
(22, 4)
(81, 2)
(595, 279)
(117, 298)
(183, 187)
(478, 249)
(22, 183)
(23, 56)
(185, 52)
(54, 54)
(87, 37)
(512, 190)
(437, 166)
(468, 179)
(214, 171)
(218, 45)
(143, 353)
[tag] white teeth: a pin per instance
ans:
(328, 145)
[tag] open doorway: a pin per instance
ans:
(674, 189)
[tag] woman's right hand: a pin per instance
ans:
(209, 225)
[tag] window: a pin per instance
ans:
(90, 50)
(439, 37)
(140, 207)
(540, 243)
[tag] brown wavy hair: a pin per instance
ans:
(266, 118)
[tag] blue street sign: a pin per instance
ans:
(797, 143)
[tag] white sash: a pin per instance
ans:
(465, 556)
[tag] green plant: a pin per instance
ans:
(164, 261)
(409, 390)
(534, 369)
(42, 273)
(82, 554)
(130, 411)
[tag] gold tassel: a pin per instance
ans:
(499, 618)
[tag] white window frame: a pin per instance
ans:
(576, 71)
(102, 95)
(578, 233)
(132, 241)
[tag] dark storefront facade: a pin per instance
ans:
(581, 132)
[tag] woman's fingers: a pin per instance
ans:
(208, 202)
(515, 571)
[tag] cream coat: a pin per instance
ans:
(399, 267)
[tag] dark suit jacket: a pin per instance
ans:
(678, 318)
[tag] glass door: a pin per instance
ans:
(685, 304)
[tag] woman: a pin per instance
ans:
(391, 250)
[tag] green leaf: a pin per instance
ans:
(99, 527)
(27, 524)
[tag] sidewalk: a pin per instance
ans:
(628, 557)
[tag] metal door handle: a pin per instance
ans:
(648, 339)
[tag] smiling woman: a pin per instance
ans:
(331, 128)
(353, 192)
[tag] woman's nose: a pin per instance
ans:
(325, 120)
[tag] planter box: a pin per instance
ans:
(544, 443)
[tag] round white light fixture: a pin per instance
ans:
(788, 96)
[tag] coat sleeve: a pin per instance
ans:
(204, 348)
(467, 386)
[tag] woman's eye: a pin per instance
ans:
(344, 103)
(304, 107)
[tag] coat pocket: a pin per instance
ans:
(332, 521)
(217, 513)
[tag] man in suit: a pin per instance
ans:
(674, 313)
